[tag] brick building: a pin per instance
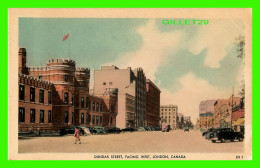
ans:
(152, 104)
(223, 111)
(238, 119)
(58, 96)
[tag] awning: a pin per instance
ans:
(240, 121)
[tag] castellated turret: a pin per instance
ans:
(61, 71)
(22, 61)
(82, 76)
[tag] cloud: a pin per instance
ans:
(193, 91)
(214, 37)
(157, 47)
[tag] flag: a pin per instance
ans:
(66, 36)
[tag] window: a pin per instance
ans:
(97, 120)
(32, 94)
(49, 97)
(93, 120)
(162, 113)
(93, 106)
(162, 109)
(72, 99)
(111, 120)
(165, 109)
(110, 83)
(21, 92)
(41, 97)
(101, 120)
(49, 116)
(82, 102)
(101, 107)
(41, 116)
(97, 107)
(66, 117)
(169, 109)
(82, 118)
(72, 118)
(83, 83)
(21, 114)
(104, 83)
(32, 116)
(40, 77)
(87, 102)
(66, 78)
(87, 119)
(66, 98)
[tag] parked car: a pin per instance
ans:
(157, 128)
(86, 130)
(223, 134)
(186, 128)
(99, 130)
(113, 130)
(207, 131)
(165, 128)
(70, 130)
(141, 129)
(128, 129)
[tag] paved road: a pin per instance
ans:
(174, 141)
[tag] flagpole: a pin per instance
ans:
(69, 47)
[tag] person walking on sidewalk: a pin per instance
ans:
(76, 135)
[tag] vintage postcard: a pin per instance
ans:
(130, 84)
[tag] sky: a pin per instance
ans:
(189, 63)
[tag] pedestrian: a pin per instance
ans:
(76, 135)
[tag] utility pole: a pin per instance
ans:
(232, 106)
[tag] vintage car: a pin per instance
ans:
(186, 128)
(99, 130)
(165, 127)
(207, 132)
(129, 129)
(223, 134)
(114, 130)
(141, 129)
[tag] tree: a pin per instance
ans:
(240, 45)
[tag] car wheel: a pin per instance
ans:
(213, 141)
(222, 140)
(240, 139)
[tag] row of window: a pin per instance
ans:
(170, 121)
(66, 77)
(169, 117)
(168, 109)
(168, 113)
(95, 106)
(32, 94)
(32, 115)
(95, 119)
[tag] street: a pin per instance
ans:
(152, 141)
